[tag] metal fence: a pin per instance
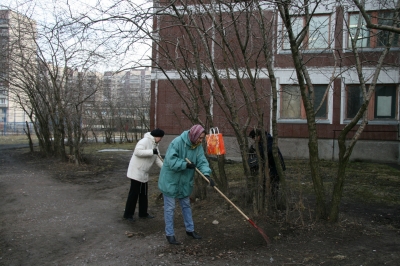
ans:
(14, 128)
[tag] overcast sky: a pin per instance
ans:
(43, 12)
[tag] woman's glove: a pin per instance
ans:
(210, 180)
(190, 165)
(155, 151)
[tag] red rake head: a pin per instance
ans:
(260, 231)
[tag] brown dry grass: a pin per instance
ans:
(365, 181)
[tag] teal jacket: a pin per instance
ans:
(176, 181)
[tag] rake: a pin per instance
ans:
(237, 208)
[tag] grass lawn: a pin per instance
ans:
(15, 139)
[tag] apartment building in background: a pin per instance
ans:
(328, 39)
(134, 84)
(17, 43)
(121, 101)
(110, 96)
(112, 101)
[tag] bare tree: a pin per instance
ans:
(360, 120)
(232, 29)
(289, 11)
(42, 80)
(220, 58)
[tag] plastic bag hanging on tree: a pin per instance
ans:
(215, 142)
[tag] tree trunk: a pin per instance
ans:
(223, 180)
(338, 186)
(28, 134)
(304, 81)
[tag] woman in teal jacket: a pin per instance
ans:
(177, 178)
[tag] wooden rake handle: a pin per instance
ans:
(219, 191)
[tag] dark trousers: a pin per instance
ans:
(274, 185)
(137, 191)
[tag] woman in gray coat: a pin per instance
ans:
(144, 155)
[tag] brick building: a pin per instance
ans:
(326, 49)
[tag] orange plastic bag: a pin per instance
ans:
(215, 142)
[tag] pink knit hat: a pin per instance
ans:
(195, 132)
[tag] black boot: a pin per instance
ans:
(193, 234)
(129, 219)
(172, 240)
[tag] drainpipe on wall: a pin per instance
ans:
(156, 4)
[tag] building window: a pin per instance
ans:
(385, 102)
(371, 38)
(382, 104)
(386, 18)
(319, 91)
(292, 104)
(354, 100)
(318, 35)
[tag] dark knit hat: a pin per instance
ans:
(157, 133)
(195, 132)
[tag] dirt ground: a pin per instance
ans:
(55, 213)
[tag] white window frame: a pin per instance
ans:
(370, 6)
(389, 76)
(284, 77)
(322, 10)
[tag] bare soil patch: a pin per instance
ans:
(57, 213)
